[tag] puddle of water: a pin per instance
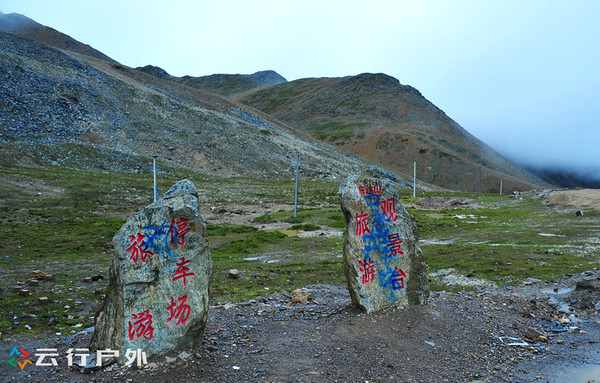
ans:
(435, 242)
(464, 216)
(563, 290)
(578, 374)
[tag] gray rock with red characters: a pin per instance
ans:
(383, 262)
(157, 298)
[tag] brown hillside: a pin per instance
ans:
(79, 111)
(375, 117)
(372, 116)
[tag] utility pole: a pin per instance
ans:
(155, 187)
(414, 179)
(296, 194)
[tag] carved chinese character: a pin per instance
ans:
(142, 325)
(181, 312)
(389, 208)
(182, 271)
(179, 230)
(394, 245)
(362, 224)
(394, 278)
(367, 268)
(138, 249)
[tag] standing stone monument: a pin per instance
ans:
(383, 263)
(157, 298)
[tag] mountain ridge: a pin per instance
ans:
(376, 117)
(71, 109)
(230, 84)
(369, 116)
(23, 26)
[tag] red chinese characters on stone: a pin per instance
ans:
(141, 325)
(394, 244)
(389, 209)
(182, 271)
(181, 312)
(362, 224)
(367, 268)
(397, 279)
(178, 231)
(138, 248)
(369, 189)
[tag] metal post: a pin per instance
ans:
(155, 187)
(479, 180)
(414, 179)
(501, 179)
(296, 194)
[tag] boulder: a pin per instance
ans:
(383, 262)
(157, 299)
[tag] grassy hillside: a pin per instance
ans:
(377, 118)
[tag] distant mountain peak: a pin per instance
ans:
(376, 78)
(229, 84)
(154, 71)
(266, 77)
(378, 82)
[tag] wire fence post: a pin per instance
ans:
(296, 194)
(479, 180)
(155, 186)
(414, 179)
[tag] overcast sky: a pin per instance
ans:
(522, 76)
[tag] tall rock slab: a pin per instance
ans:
(157, 299)
(383, 262)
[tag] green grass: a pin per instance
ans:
(507, 264)
(305, 227)
(508, 240)
(322, 216)
(62, 221)
(272, 261)
(336, 130)
(226, 229)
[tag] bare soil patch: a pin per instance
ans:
(582, 198)
(447, 203)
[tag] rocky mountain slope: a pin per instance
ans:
(30, 29)
(212, 123)
(73, 109)
(376, 117)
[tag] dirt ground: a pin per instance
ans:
(457, 337)
(582, 198)
(536, 332)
